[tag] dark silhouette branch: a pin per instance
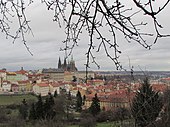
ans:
(11, 10)
(97, 18)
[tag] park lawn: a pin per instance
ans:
(15, 99)
(104, 124)
(108, 124)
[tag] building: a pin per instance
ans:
(20, 75)
(67, 66)
(68, 76)
(54, 74)
(96, 82)
(111, 101)
(6, 86)
(2, 75)
(81, 75)
(55, 86)
(11, 76)
(24, 86)
(14, 88)
(42, 89)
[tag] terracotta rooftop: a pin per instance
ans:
(43, 85)
(56, 84)
(2, 71)
(23, 82)
(21, 72)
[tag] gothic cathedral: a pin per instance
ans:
(67, 66)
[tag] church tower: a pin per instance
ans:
(67, 66)
(59, 63)
(72, 65)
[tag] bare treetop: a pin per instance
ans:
(98, 18)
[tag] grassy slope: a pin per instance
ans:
(13, 99)
(109, 124)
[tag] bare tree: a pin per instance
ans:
(14, 10)
(98, 18)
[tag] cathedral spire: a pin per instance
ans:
(59, 63)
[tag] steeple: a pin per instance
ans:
(59, 63)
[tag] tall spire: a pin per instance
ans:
(59, 63)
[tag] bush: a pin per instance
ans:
(3, 117)
(104, 116)
(16, 122)
(49, 123)
(87, 120)
(12, 106)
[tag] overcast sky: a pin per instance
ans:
(47, 41)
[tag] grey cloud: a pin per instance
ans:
(48, 38)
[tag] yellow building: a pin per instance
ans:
(81, 75)
(54, 74)
(25, 86)
(109, 103)
(41, 89)
(68, 76)
(55, 86)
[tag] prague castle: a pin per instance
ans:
(64, 72)
(70, 66)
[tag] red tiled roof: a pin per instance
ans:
(6, 81)
(109, 98)
(21, 72)
(55, 84)
(95, 80)
(159, 87)
(23, 82)
(2, 71)
(14, 85)
(166, 78)
(67, 73)
(43, 85)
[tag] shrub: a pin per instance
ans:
(104, 116)
(87, 120)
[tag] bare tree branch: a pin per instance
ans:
(11, 10)
(91, 17)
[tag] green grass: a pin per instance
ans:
(104, 124)
(15, 99)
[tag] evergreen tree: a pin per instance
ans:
(43, 110)
(46, 107)
(49, 113)
(166, 112)
(51, 100)
(74, 79)
(32, 115)
(55, 93)
(24, 109)
(84, 99)
(78, 101)
(146, 105)
(39, 108)
(95, 106)
(69, 96)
